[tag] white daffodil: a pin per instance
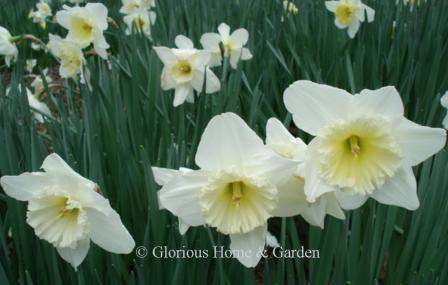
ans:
(38, 83)
(69, 54)
(132, 6)
(444, 102)
(233, 45)
(86, 25)
(30, 64)
(364, 146)
(65, 210)
(279, 140)
(140, 21)
(350, 14)
(40, 15)
(184, 70)
(290, 7)
(7, 47)
(235, 189)
(35, 103)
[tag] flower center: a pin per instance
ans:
(182, 71)
(70, 60)
(358, 155)
(345, 12)
(82, 30)
(235, 204)
(59, 220)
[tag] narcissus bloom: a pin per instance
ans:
(41, 14)
(444, 102)
(235, 189)
(140, 21)
(364, 146)
(132, 6)
(86, 25)
(7, 46)
(35, 103)
(65, 210)
(184, 70)
(233, 45)
(69, 55)
(30, 64)
(290, 7)
(38, 82)
(350, 14)
(287, 146)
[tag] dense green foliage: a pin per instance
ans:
(113, 133)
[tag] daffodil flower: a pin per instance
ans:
(234, 190)
(184, 70)
(233, 45)
(131, 6)
(279, 140)
(86, 25)
(41, 14)
(7, 47)
(35, 103)
(141, 21)
(38, 83)
(69, 54)
(364, 146)
(444, 102)
(350, 14)
(65, 210)
(30, 64)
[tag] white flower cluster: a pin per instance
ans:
(363, 147)
(138, 15)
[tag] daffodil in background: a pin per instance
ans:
(349, 14)
(232, 44)
(7, 46)
(86, 25)
(38, 82)
(65, 210)
(141, 21)
(235, 189)
(279, 140)
(132, 6)
(444, 102)
(184, 70)
(364, 146)
(30, 64)
(40, 15)
(69, 54)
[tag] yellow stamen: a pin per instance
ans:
(236, 192)
(353, 143)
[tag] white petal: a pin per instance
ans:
(291, 199)
(183, 42)
(63, 18)
(315, 214)
(445, 122)
(353, 28)
(384, 101)
(99, 11)
(181, 93)
(26, 185)
(212, 83)
(333, 206)
(314, 185)
(370, 13)
(235, 56)
(54, 163)
(240, 37)
(210, 41)
(315, 105)
(250, 244)
(418, 142)
(181, 196)
(350, 201)
(224, 30)
(166, 55)
(331, 5)
(108, 232)
(75, 256)
(227, 141)
(280, 140)
(183, 227)
(163, 175)
(271, 240)
(245, 54)
(400, 190)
